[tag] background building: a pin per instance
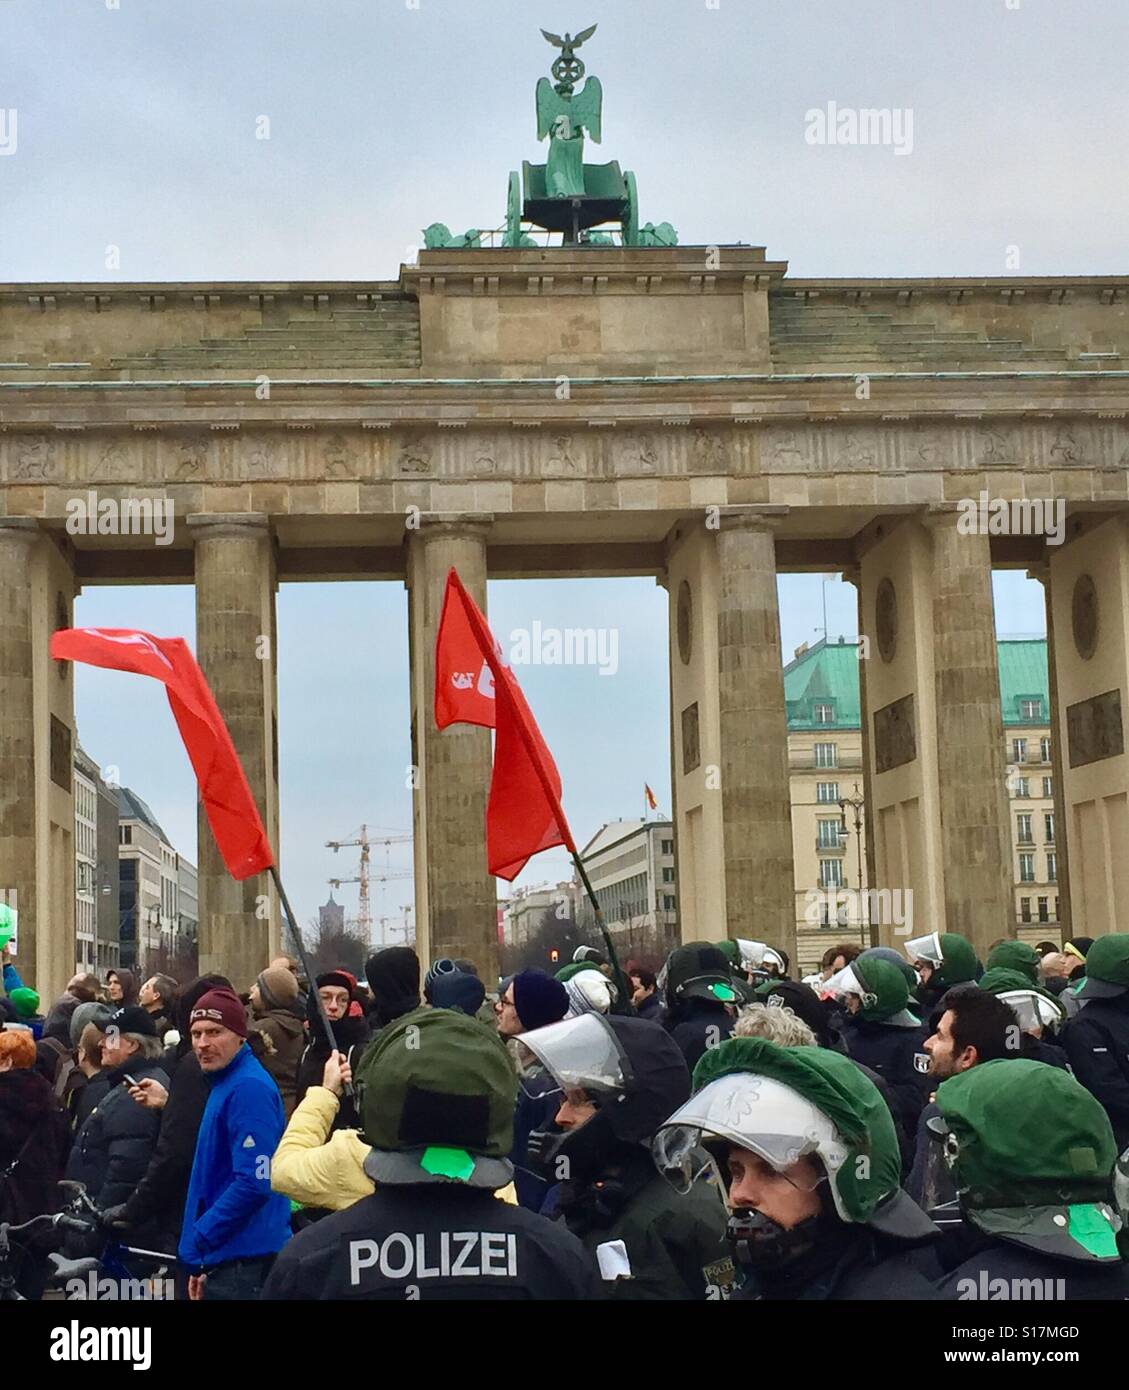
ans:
(158, 928)
(821, 687)
(96, 868)
(630, 864)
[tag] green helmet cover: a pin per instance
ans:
(1016, 956)
(959, 960)
(835, 1086)
(437, 1079)
(1025, 1134)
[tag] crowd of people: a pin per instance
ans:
(910, 1124)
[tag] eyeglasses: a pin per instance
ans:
(504, 1004)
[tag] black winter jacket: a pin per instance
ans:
(157, 1202)
(34, 1141)
(112, 1149)
(890, 1051)
(697, 1025)
(1096, 1040)
(444, 1240)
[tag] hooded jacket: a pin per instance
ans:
(112, 1149)
(352, 1034)
(277, 1039)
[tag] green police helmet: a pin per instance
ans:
(1032, 1156)
(785, 1103)
(437, 1096)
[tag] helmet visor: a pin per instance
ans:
(927, 948)
(580, 1054)
(847, 983)
(1033, 1010)
(751, 1112)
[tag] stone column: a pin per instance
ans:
(1089, 599)
(975, 839)
(456, 898)
(868, 931)
(18, 784)
(36, 754)
(753, 726)
(240, 923)
(1058, 781)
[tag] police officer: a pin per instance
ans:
(1097, 1037)
(437, 1104)
(699, 992)
(805, 1147)
(1038, 1013)
(941, 959)
(620, 1078)
(1032, 1157)
(880, 1032)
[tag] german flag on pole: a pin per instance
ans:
(652, 804)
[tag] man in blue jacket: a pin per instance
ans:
(234, 1225)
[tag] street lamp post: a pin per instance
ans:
(857, 802)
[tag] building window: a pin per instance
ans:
(1025, 909)
(668, 902)
(829, 834)
(1049, 827)
(126, 835)
(1027, 868)
(1045, 749)
(1023, 823)
(1022, 788)
(1019, 750)
(1048, 787)
(825, 755)
(824, 714)
(1056, 910)
(667, 847)
(824, 915)
(831, 873)
(1043, 905)
(827, 791)
(1031, 710)
(1052, 868)
(668, 875)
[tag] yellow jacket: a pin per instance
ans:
(323, 1169)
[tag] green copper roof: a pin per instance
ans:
(828, 674)
(1023, 676)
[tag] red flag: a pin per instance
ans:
(464, 682)
(227, 798)
(523, 813)
(652, 804)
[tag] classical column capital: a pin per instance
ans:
(756, 517)
(852, 574)
(938, 515)
(1041, 572)
(19, 528)
(243, 526)
(444, 525)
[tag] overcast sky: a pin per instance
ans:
(137, 130)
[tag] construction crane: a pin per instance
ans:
(362, 842)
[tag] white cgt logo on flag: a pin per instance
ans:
(133, 639)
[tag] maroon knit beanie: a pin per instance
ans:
(221, 1006)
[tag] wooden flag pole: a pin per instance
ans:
(299, 945)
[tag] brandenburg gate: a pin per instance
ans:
(686, 412)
